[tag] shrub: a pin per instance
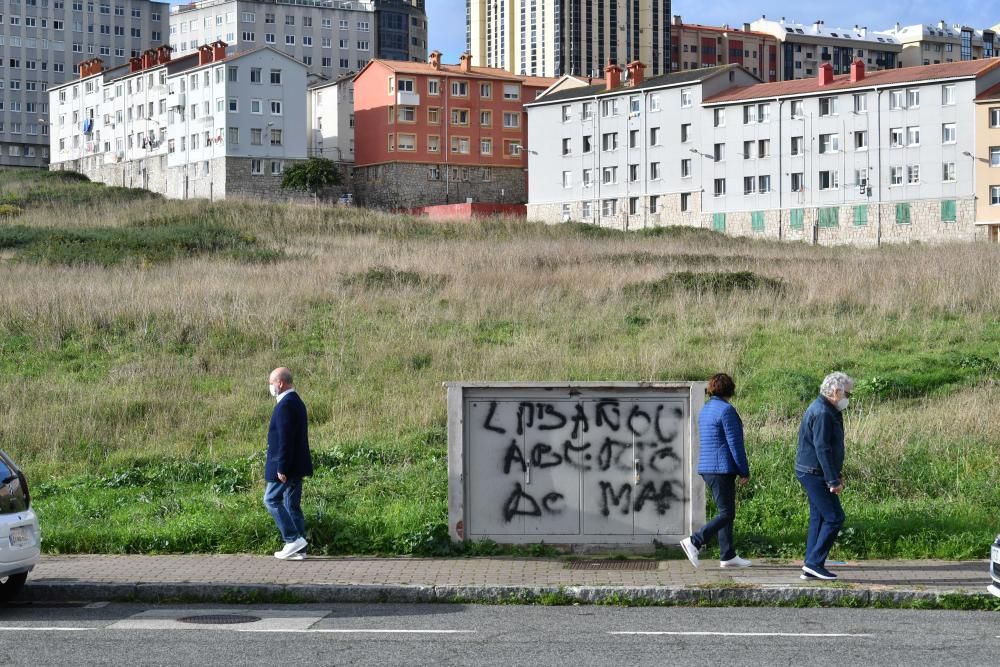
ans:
(715, 283)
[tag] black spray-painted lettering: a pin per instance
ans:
(513, 454)
(488, 425)
(622, 499)
(512, 507)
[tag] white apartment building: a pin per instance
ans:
(554, 37)
(802, 48)
(332, 37)
(331, 120)
(936, 43)
(202, 125)
(861, 158)
(41, 44)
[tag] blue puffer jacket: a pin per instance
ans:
(720, 430)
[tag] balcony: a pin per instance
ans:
(407, 99)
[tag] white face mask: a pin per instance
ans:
(843, 403)
(273, 390)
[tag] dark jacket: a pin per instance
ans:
(288, 440)
(720, 431)
(821, 442)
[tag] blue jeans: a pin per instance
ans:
(282, 500)
(724, 492)
(826, 516)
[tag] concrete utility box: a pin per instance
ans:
(574, 463)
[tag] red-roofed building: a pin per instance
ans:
(432, 133)
(694, 46)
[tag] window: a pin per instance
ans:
(995, 156)
(586, 212)
(609, 207)
(685, 202)
(276, 107)
(256, 136)
(995, 117)
(763, 113)
(949, 212)
(797, 143)
(895, 137)
(460, 145)
(633, 205)
(634, 105)
(654, 203)
(829, 217)
(609, 141)
(913, 174)
(685, 133)
(485, 146)
(913, 136)
(757, 221)
(256, 74)
(895, 175)
(654, 102)
(719, 187)
(764, 184)
(719, 152)
(276, 77)
(256, 167)
(829, 143)
(588, 177)
(256, 106)
(567, 179)
(948, 134)
(407, 114)
(912, 99)
(588, 111)
(511, 119)
(948, 95)
(407, 142)
(749, 114)
(749, 185)
(654, 136)
(896, 99)
(485, 91)
(511, 91)
(719, 117)
(609, 175)
(829, 180)
(567, 113)
(902, 214)
(860, 103)
(587, 143)
(433, 87)
(275, 137)
(277, 167)
(433, 143)
(233, 136)
(686, 168)
(948, 172)
(827, 106)
(995, 195)
(719, 221)
(566, 146)
(797, 109)
(748, 151)
(459, 88)
(686, 98)
(459, 116)
(234, 105)
(796, 218)
(654, 171)
(860, 215)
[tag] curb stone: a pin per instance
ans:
(368, 593)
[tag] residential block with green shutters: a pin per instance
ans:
(861, 158)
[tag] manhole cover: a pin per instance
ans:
(219, 619)
(613, 565)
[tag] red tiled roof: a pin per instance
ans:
(887, 77)
(716, 28)
(407, 67)
(991, 94)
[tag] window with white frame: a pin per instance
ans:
(567, 179)
(913, 174)
(948, 172)
(654, 171)
(797, 109)
(829, 179)
(764, 184)
(995, 117)
(895, 175)
(948, 94)
(686, 98)
(896, 99)
(797, 181)
(609, 175)
(719, 187)
(861, 140)
(913, 136)
(749, 185)
(609, 207)
(827, 106)
(948, 133)
(829, 143)
(895, 137)
(686, 168)
(913, 98)
(861, 103)
(719, 117)
(995, 195)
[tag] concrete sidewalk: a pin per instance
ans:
(362, 579)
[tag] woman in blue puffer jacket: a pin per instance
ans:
(722, 458)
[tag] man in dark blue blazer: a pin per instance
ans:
(288, 462)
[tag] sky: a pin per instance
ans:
(446, 18)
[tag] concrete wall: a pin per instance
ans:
(398, 185)
(574, 464)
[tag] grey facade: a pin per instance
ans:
(402, 30)
(41, 44)
(402, 185)
(860, 162)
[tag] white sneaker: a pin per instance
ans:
(291, 548)
(296, 556)
(690, 550)
(735, 561)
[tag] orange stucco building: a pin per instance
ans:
(431, 133)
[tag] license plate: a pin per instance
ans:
(996, 553)
(21, 536)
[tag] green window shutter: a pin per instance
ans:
(829, 217)
(757, 221)
(795, 218)
(719, 222)
(948, 212)
(860, 216)
(902, 214)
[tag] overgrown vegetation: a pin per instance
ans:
(136, 335)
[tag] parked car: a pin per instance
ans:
(995, 568)
(20, 538)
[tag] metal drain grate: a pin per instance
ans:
(219, 619)
(612, 565)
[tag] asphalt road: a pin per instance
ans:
(444, 634)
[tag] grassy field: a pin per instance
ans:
(136, 335)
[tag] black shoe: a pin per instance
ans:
(817, 572)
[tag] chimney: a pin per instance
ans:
(148, 58)
(219, 50)
(435, 59)
(635, 73)
(134, 64)
(825, 74)
(84, 68)
(204, 54)
(857, 70)
(612, 76)
(163, 54)
(746, 27)
(465, 63)
(676, 20)
(942, 24)
(96, 66)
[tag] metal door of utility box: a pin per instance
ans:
(579, 463)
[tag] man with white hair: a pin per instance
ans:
(818, 466)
